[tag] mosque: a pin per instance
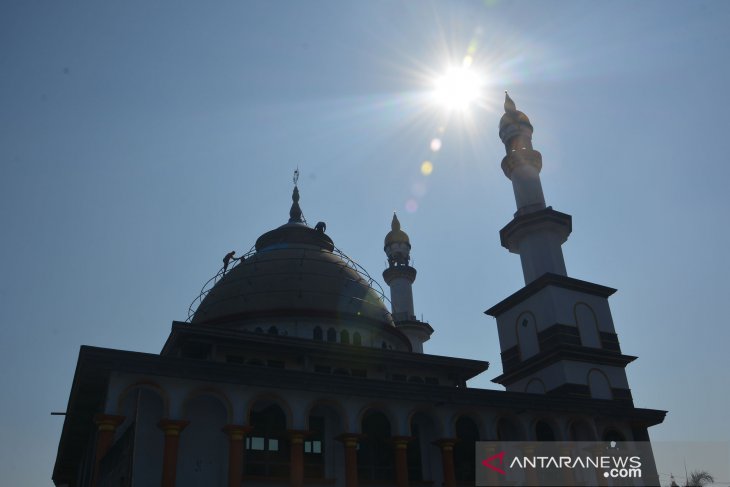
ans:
(294, 368)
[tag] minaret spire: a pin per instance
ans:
(536, 232)
(399, 276)
(556, 334)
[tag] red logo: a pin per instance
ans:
(488, 462)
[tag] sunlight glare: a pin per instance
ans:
(458, 88)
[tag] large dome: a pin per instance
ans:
(294, 272)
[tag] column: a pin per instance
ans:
(400, 444)
(106, 425)
(236, 434)
(446, 445)
(349, 441)
(296, 452)
(172, 429)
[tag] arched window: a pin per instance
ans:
(273, 330)
(599, 386)
(375, 460)
(465, 449)
(331, 335)
(267, 450)
(587, 323)
(356, 339)
(345, 337)
(258, 330)
(317, 334)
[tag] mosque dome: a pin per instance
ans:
(295, 275)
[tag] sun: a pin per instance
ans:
(458, 89)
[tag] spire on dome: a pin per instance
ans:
(509, 104)
(395, 224)
(515, 128)
(396, 235)
(295, 213)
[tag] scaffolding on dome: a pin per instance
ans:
(349, 262)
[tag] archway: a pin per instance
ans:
(375, 460)
(267, 448)
(203, 454)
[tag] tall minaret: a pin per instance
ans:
(556, 334)
(400, 277)
(536, 232)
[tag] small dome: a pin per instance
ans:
(396, 235)
(511, 114)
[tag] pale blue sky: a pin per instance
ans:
(141, 141)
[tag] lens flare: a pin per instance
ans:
(436, 144)
(411, 206)
(426, 168)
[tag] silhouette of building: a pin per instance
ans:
(292, 369)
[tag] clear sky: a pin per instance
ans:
(141, 141)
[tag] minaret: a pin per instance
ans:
(536, 232)
(556, 334)
(400, 277)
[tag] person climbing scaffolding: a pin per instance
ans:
(227, 260)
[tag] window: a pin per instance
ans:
(356, 339)
(331, 335)
(317, 334)
(345, 337)
(314, 448)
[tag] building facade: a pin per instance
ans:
(292, 369)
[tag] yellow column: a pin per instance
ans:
(236, 434)
(400, 444)
(349, 441)
(296, 452)
(172, 430)
(447, 460)
(106, 425)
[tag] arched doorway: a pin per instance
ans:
(375, 459)
(267, 448)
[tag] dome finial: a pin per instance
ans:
(395, 224)
(509, 104)
(295, 213)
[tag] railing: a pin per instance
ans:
(349, 262)
(210, 283)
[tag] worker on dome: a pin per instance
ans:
(227, 260)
